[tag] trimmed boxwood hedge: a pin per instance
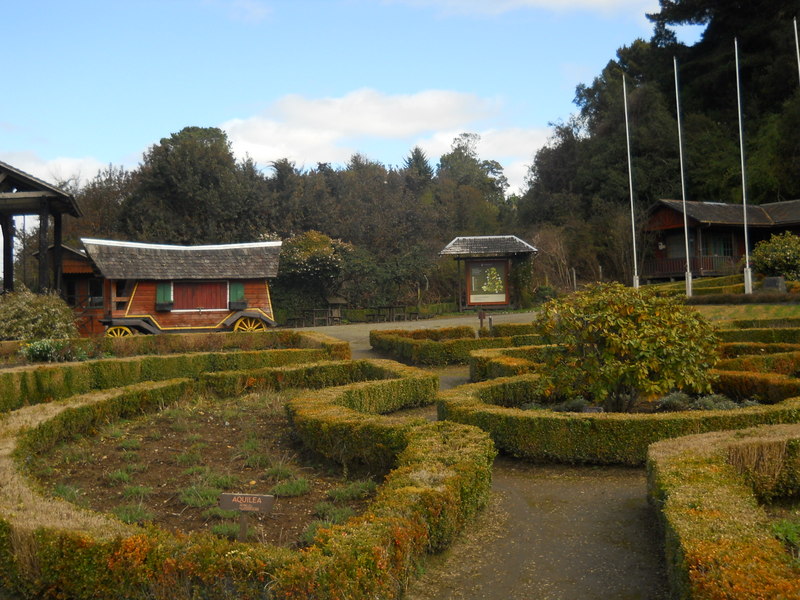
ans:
(705, 488)
(769, 335)
(445, 346)
(175, 343)
(606, 438)
(442, 477)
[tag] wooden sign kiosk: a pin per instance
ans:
(488, 264)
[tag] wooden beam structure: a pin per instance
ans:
(22, 194)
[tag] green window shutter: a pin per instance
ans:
(236, 291)
(163, 292)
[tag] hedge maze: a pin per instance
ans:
(439, 475)
(708, 471)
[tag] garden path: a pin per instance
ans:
(549, 532)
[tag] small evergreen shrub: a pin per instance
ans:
(617, 345)
(52, 351)
(28, 316)
(779, 256)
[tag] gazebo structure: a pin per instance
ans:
(489, 261)
(21, 195)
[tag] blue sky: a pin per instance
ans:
(93, 82)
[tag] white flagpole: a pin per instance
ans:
(748, 274)
(630, 183)
(683, 183)
(797, 46)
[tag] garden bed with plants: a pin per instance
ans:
(169, 469)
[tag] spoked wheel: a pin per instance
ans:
(118, 331)
(249, 325)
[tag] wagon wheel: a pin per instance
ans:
(118, 331)
(249, 325)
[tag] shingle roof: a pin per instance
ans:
(488, 245)
(718, 213)
(133, 260)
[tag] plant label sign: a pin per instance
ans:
(246, 502)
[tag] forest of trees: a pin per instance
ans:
(385, 225)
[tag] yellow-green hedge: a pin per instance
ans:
(770, 335)
(423, 347)
(705, 487)
(174, 343)
(32, 385)
(604, 438)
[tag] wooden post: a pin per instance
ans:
(57, 252)
(44, 222)
(7, 223)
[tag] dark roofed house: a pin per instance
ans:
(489, 264)
(156, 288)
(716, 235)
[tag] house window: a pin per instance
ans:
(718, 245)
(95, 293)
(487, 282)
(196, 295)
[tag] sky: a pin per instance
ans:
(90, 83)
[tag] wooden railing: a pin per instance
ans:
(700, 266)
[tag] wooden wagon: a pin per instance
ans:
(122, 288)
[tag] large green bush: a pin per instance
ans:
(616, 345)
(28, 316)
(778, 256)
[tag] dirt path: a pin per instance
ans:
(550, 532)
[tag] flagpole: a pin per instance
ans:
(630, 182)
(748, 274)
(797, 46)
(683, 183)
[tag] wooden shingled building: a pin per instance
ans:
(127, 287)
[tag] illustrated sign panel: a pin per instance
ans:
(487, 282)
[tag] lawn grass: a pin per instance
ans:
(717, 312)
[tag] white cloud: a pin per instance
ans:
(330, 129)
(55, 170)
(383, 127)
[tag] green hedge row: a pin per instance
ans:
(769, 335)
(605, 438)
(345, 424)
(503, 362)
(736, 349)
(759, 298)
(454, 347)
(705, 487)
(442, 477)
(508, 330)
(784, 363)
(33, 385)
(174, 343)
(783, 322)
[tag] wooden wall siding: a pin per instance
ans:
(143, 302)
(665, 218)
(73, 264)
(202, 294)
